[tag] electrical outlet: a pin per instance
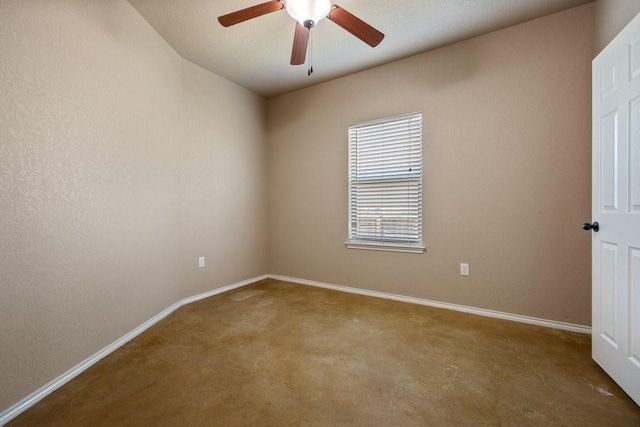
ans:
(464, 269)
(201, 262)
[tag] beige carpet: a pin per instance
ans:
(282, 354)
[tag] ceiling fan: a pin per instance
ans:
(307, 14)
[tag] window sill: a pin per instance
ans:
(388, 247)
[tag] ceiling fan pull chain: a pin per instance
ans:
(311, 54)
(310, 69)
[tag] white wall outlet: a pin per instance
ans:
(464, 269)
(201, 262)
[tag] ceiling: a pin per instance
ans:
(255, 54)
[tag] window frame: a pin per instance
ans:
(382, 245)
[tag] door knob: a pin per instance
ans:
(595, 226)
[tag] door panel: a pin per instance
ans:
(635, 58)
(634, 154)
(634, 305)
(608, 81)
(607, 298)
(609, 162)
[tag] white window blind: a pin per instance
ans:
(385, 184)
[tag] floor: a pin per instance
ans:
(277, 353)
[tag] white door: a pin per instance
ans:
(616, 208)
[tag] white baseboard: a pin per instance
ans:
(465, 309)
(58, 382)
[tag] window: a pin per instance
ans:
(385, 184)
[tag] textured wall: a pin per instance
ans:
(611, 17)
(225, 181)
(120, 163)
(507, 139)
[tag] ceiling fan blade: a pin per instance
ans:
(300, 43)
(355, 26)
(250, 13)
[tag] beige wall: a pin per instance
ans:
(224, 186)
(611, 17)
(507, 172)
(120, 164)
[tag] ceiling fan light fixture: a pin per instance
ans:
(304, 11)
(307, 13)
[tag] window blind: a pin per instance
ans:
(385, 180)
